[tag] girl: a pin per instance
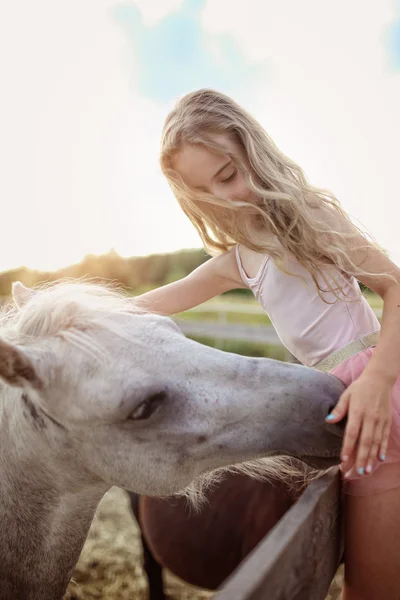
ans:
(297, 250)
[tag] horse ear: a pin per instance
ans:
(21, 294)
(16, 368)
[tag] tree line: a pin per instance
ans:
(135, 274)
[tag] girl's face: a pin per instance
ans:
(215, 174)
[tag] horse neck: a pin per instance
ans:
(46, 507)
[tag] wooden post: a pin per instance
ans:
(298, 559)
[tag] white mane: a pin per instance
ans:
(68, 310)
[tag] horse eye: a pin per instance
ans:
(146, 408)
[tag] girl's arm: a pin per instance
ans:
(368, 399)
(385, 362)
(217, 275)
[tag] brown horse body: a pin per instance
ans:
(203, 548)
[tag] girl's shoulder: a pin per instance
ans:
(250, 260)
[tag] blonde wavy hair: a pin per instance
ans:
(284, 217)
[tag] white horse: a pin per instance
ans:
(96, 393)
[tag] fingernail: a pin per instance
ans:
(383, 456)
(360, 471)
(368, 469)
(330, 417)
(345, 458)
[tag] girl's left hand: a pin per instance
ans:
(368, 403)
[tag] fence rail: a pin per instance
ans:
(230, 331)
(220, 329)
(241, 307)
(298, 559)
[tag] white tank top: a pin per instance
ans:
(310, 328)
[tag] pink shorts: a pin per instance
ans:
(384, 476)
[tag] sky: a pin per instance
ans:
(87, 84)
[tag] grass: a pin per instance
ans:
(245, 348)
(231, 317)
(374, 300)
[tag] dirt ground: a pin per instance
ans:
(110, 564)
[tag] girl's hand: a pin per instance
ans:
(368, 403)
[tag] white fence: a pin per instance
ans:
(221, 329)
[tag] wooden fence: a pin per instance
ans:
(298, 559)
